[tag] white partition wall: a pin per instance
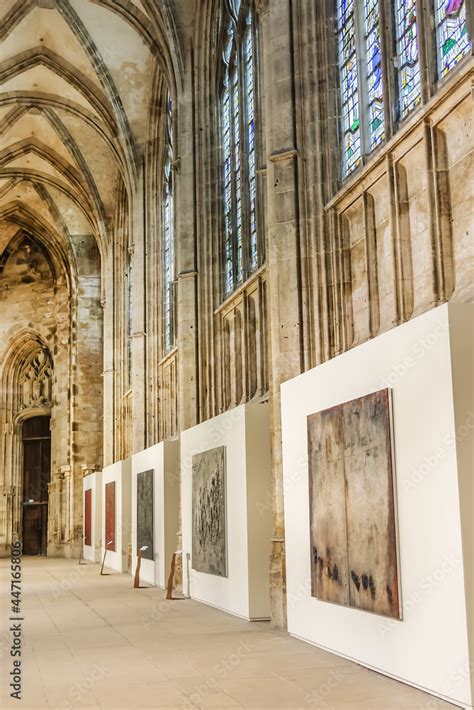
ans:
(428, 364)
(245, 434)
(163, 460)
(120, 474)
(93, 482)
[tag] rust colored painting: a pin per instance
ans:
(88, 517)
(110, 516)
(354, 559)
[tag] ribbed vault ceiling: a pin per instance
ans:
(76, 78)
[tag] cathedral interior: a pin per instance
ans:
(236, 353)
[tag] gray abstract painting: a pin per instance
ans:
(354, 559)
(209, 512)
(145, 513)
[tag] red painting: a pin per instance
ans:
(110, 516)
(88, 517)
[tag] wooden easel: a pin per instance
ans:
(103, 559)
(169, 590)
(81, 553)
(136, 580)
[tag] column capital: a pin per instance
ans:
(262, 7)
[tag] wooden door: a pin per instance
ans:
(36, 476)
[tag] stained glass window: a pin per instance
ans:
(228, 221)
(238, 139)
(378, 59)
(409, 83)
(348, 72)
(237, 170)
(250, 120)
(168, 239)
(452, 35)
(374, 73)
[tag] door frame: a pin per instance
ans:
(18, 462)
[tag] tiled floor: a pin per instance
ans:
(95, 642)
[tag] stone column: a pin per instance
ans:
(186, 267)
(283, 253)
(138, 345)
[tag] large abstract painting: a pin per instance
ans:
(110, 516)
(88, 517)
(209, 552)
(145, 513)
(352, 505)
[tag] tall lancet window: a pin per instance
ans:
(453, 42)
(387, 67)
(349, 84)
(241, 250)
(376, 117)
(408, 57)
(129, 314)
(168, 250)
(361, 80)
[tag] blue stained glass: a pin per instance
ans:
(453, 41)
(227, 148)
(237, 171)
(347, 58)
(250, 118)
(168, 240)
(374, 74)
(409, 83)
(238, 140)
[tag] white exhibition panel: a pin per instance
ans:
(429, 647)
(119, 472)
(92, 482)
(163, 459)
(245, 433)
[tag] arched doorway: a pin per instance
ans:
(36, 438)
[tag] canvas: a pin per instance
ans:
(145, 513)
(209, 553)
(354, 558)
(109, 541)
(88, 517)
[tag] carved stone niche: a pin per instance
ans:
(36, 380)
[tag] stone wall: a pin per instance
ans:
(343, 260)
(45, 321)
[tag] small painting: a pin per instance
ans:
(209, 552)
(109, 541)
(145, 513)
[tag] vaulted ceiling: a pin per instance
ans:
(76, 82)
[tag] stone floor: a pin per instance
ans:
(95, 642)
